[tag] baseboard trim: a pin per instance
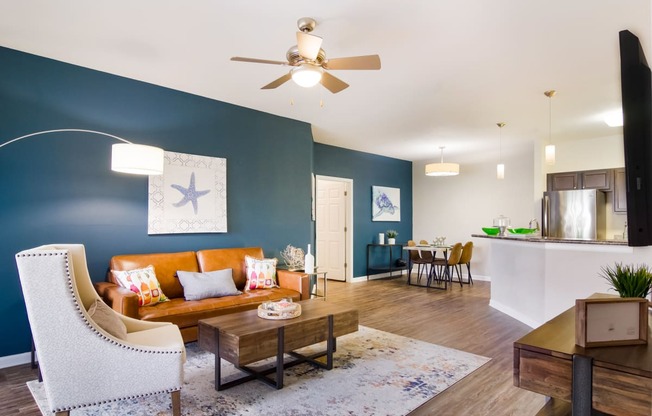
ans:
(514, 314)
(357, 279)
(14, 360)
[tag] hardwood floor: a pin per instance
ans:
(458, 318)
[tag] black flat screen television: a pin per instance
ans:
(636, 82)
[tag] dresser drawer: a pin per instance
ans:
(545, 374)
(619, 393)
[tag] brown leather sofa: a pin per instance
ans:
(186, 314)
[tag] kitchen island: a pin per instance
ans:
(534, 279)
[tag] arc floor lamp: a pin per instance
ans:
(126, 157)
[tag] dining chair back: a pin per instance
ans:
(465, 258)
(416, 258)
(444, 266)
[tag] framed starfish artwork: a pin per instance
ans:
(190, 196)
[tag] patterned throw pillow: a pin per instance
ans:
(142, 282)
(261, 273)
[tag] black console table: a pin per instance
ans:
(389, 267)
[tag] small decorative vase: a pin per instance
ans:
(381, 238)
(391, 241)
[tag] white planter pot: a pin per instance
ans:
(391, 241)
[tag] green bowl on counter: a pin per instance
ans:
(491, 230)
(522, 230)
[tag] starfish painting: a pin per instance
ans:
(190, 194)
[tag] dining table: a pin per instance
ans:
(433, 249)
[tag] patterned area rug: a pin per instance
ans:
(374, 373)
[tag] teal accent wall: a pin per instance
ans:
(367, 170)
(59, 188)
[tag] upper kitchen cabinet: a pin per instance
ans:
(601, 179)
(620, 191)
(597, 179)
(564, 181)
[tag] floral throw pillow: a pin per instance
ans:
(142, 282)
(261, 273)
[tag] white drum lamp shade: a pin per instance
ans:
(126, 157)
(442, 169)
(137, 159)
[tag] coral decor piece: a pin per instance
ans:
(294, 257)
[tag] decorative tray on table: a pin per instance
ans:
(283, 309)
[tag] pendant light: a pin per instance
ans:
(550, 148)
(442, 169)
(500, 167)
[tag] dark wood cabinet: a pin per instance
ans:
(597, 179)
(620, 191)
(601, 179)
(565, 181)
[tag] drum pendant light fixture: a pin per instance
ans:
(442, 169)
(500, 167)
(550, 148)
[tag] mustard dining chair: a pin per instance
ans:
(465, 258)
(446, 266)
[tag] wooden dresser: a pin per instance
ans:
(622, 376)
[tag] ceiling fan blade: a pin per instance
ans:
(278, 82)
(308, 45)
(354, 62)
(258, 61)
(333, 84)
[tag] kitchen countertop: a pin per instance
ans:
(539, 239)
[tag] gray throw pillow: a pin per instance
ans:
(214, 284)
(106, 319)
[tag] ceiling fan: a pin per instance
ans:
(309, 62)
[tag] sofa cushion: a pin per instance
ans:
(143, 283)
(224, 258)
(197, 286)
(261, 273)
(165, 264)
(106, 319)
(186, 313)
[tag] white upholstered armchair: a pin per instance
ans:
(81, 363)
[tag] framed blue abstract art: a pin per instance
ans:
(385, 203)
(190, 196)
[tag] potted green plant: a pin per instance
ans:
(628, 280)
(391, 236)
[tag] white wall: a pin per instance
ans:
(458, 206)
(588, 154)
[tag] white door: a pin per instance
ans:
(331, 227)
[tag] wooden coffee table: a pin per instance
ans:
(243, 338)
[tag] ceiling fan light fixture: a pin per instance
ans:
(307, 75)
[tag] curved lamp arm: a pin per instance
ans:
(126, 157)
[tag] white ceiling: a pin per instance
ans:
(450, 70)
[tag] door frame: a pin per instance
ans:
(348, 221)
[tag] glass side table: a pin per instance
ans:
(314, 284)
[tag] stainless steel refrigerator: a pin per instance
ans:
(578, 214)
